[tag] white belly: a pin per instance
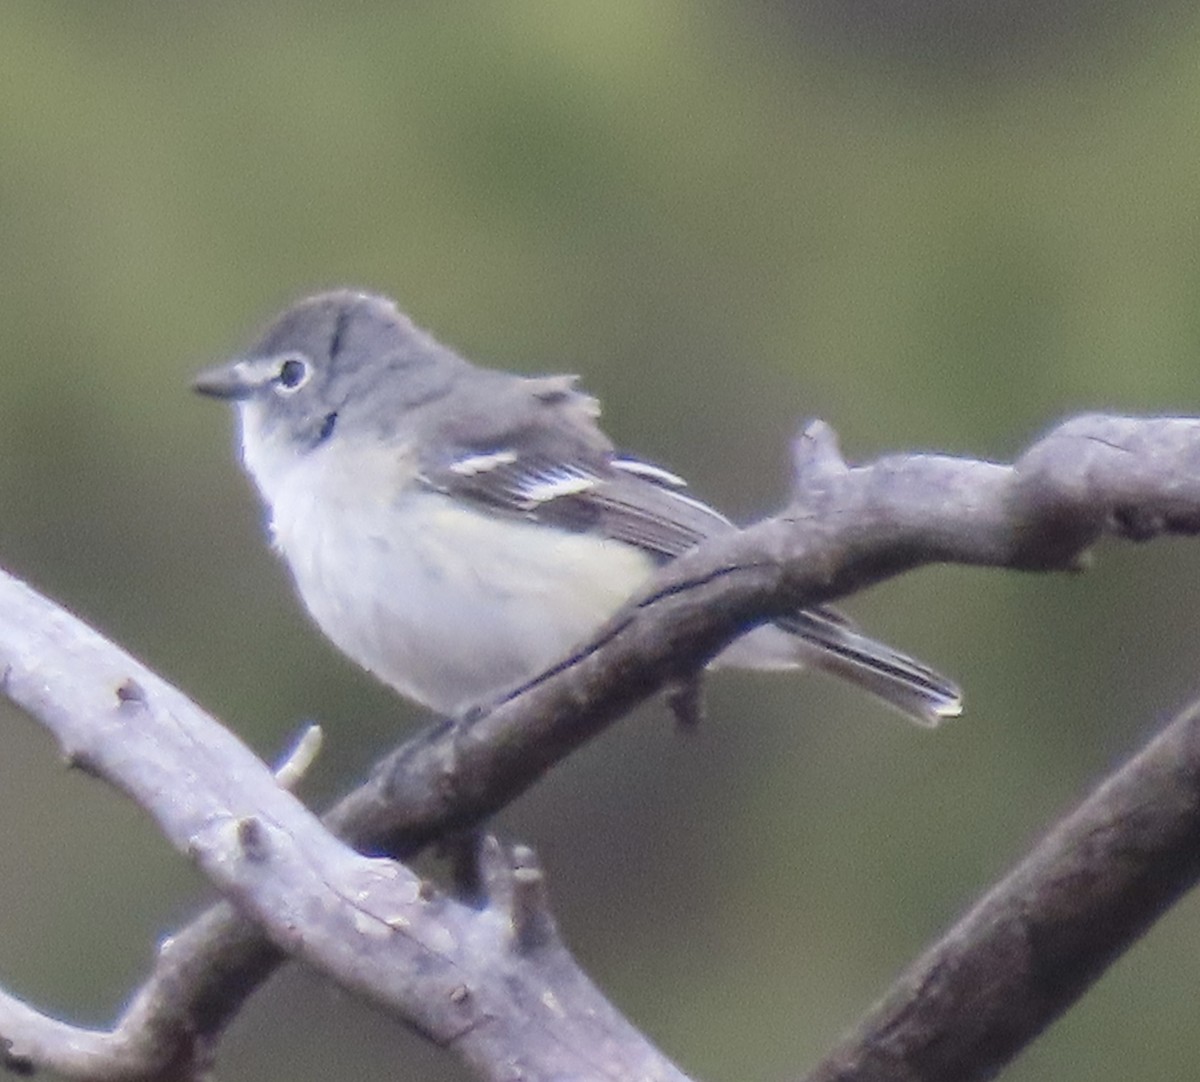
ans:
(449, 606)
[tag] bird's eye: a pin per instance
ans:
(294, 373)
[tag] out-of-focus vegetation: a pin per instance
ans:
(728, 217)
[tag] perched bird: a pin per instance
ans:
(457, 530)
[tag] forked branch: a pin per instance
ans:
(846, 528)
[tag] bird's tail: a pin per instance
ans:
(827, 640)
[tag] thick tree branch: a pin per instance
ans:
(846, 528)
(1036, 940)
(493, 983)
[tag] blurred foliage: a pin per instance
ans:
(728, 217)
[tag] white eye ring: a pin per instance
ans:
(295, 370)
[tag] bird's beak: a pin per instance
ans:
(240, 379)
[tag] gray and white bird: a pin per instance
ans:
(457, 530)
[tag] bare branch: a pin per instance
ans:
(495, 984)
(143, 1045)
(1037, 939)
(846, 528)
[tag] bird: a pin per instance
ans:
(456, 530)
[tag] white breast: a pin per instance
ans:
(448, 604)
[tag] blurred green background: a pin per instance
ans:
(940, 226)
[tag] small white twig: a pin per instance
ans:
(296, 763)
